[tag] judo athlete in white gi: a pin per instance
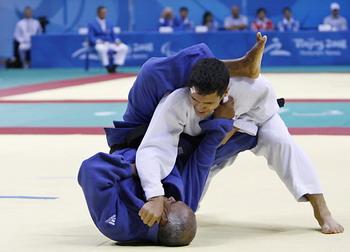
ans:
(102, 37)
(254, 110)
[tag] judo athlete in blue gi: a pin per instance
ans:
(114, 194)
(172, 95)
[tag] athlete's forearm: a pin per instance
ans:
(228, 136)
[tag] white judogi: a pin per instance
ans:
(255, 107)
(25, 29)
(157, 153)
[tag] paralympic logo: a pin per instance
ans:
(275, 49)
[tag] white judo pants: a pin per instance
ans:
(23, 49)
(285, 157)
(121, 50)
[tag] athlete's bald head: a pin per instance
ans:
(179, 226)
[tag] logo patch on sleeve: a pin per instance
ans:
(111, 220)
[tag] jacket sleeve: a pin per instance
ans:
(91, 34)
(98, 177)
(254, 101)
(156, 155)
(18, 33)
(197, 167)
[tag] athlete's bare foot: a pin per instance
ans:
(329, 225)
(254, 56)
(250, 64)
(323, 216)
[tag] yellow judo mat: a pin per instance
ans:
(246, 208)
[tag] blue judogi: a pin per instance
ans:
(96, 32)
(114, 196)
(159, 76)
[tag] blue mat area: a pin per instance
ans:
(306, 114)
(61, 114)
(301, 114)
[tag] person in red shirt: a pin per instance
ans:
(262, 23)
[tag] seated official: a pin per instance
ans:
(167, 18)
(25, 29)
(236, 22)
(209, 21)
(335, 21)
(103, 39)
(262, 23)
(288, 23)
(183, 23)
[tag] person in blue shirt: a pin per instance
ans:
(288, 23)
(114, 194)
(102, 37)
(183, 23)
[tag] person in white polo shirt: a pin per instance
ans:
(335, 21)
(236, 22)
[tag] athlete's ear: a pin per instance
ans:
(225, 96)
(226, 92)
(163, 219)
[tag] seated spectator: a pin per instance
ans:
(103, 39)
(288, 23)
(209, 22)
(167, 18)
(335, 21)
(183, 23)
(25, 29)
(262, 23)
(236, 21)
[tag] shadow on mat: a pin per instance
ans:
(211, 232)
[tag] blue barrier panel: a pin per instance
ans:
(287, 49)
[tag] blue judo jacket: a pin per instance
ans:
(156, 78)
(114, 196)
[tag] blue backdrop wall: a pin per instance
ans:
(142, 15)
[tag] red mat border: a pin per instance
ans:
(125, 100)
(61, 84)
(99, 131)
(61, 101)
